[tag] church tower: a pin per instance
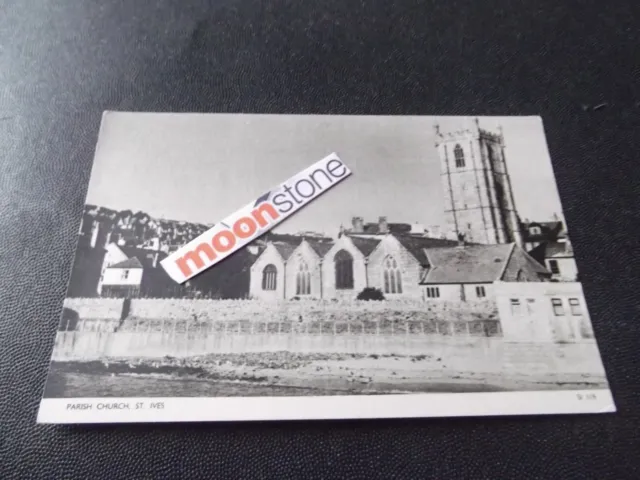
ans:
(477, 189)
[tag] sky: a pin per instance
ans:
(202, 167)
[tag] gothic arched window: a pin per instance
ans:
(459, 156)
(303, 279)
(344, 270)
(269, 277)
(392, 276)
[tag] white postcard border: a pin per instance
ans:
(203, 409)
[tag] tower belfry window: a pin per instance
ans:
(459, 156)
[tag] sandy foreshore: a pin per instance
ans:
(327, 374)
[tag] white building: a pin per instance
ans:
(543, 312)
(127, 271)
(558, 257)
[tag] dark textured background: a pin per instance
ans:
(63, 63)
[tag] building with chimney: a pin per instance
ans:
(382, 227)
(478, 196)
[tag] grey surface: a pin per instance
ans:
(63, 63)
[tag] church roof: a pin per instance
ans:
(319, 246)
(417, 245)
(365, 245)
(285, 249)
(128, 263)
(469, 264)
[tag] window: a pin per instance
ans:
(459, 156)
(303, 279)
(269, 277)
(125, 274)
(433, 292)
(574, 305)
(531, 305)
(344, 270)
(558, 308)
(480, 292)
(392, 276)
(535, 231)
(553, 266)
(515, 306)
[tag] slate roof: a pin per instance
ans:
(144, 256)
(365, 245)
(128, 263)
(551, 249)
(417, 245)
(469, 264)
(285, 249)
(320, 247)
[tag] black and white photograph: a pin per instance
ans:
(439, 279)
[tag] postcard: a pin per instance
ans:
(437, 279)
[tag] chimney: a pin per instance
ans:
(358, 224)
(418, 228)
(383, 226)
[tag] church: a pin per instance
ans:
(403, 261)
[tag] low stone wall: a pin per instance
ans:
(463, 354)
(87, 345)
(96, 308)
(304, 310)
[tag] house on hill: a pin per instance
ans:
(537, 233)
(133, 272)
(558, 257)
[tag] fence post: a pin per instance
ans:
(392, 329)
(422, 327)
(377, 328)
(468, 331)
(251, 327)
(437, 328)
(348, 328)
(279, 327)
